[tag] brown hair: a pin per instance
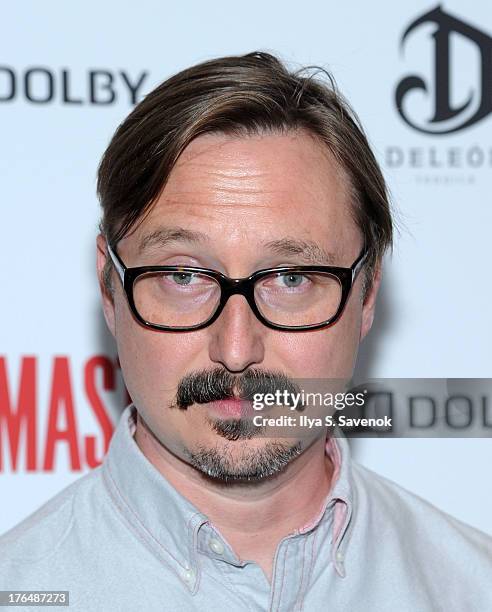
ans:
(240, 95)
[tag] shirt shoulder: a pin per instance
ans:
(42, 533)
(419, 534)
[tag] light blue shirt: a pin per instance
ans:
(122, 538)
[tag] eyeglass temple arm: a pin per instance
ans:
(118, 264)
(359, 263)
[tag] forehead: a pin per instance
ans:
(257, 187)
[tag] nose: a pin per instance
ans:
(237, 337)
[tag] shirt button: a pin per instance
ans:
(216, 546)
(339, 556)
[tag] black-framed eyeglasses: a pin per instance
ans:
(184, 298)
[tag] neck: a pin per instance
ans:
(252, 517)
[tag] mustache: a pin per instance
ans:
(218, 384)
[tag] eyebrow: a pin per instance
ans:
(311, 252)
(165, 235)
(308, 250)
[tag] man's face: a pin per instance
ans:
(239, 194)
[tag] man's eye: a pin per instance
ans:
(292, 280)
(183, 278)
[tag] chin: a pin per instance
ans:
(247, 460)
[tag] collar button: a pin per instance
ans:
(216, 546)
(188, 576)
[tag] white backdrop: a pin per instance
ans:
(66, 73)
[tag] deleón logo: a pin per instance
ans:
(447, 117)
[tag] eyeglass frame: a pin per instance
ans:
(241, 286)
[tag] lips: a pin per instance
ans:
(233, 407)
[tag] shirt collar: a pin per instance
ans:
(160, 516)
(169, 524)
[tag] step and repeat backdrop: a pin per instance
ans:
(418, 74)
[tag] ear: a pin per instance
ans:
(106, 297)
(369, 305)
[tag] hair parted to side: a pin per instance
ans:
(239, 95)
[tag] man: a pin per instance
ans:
(244, 223)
